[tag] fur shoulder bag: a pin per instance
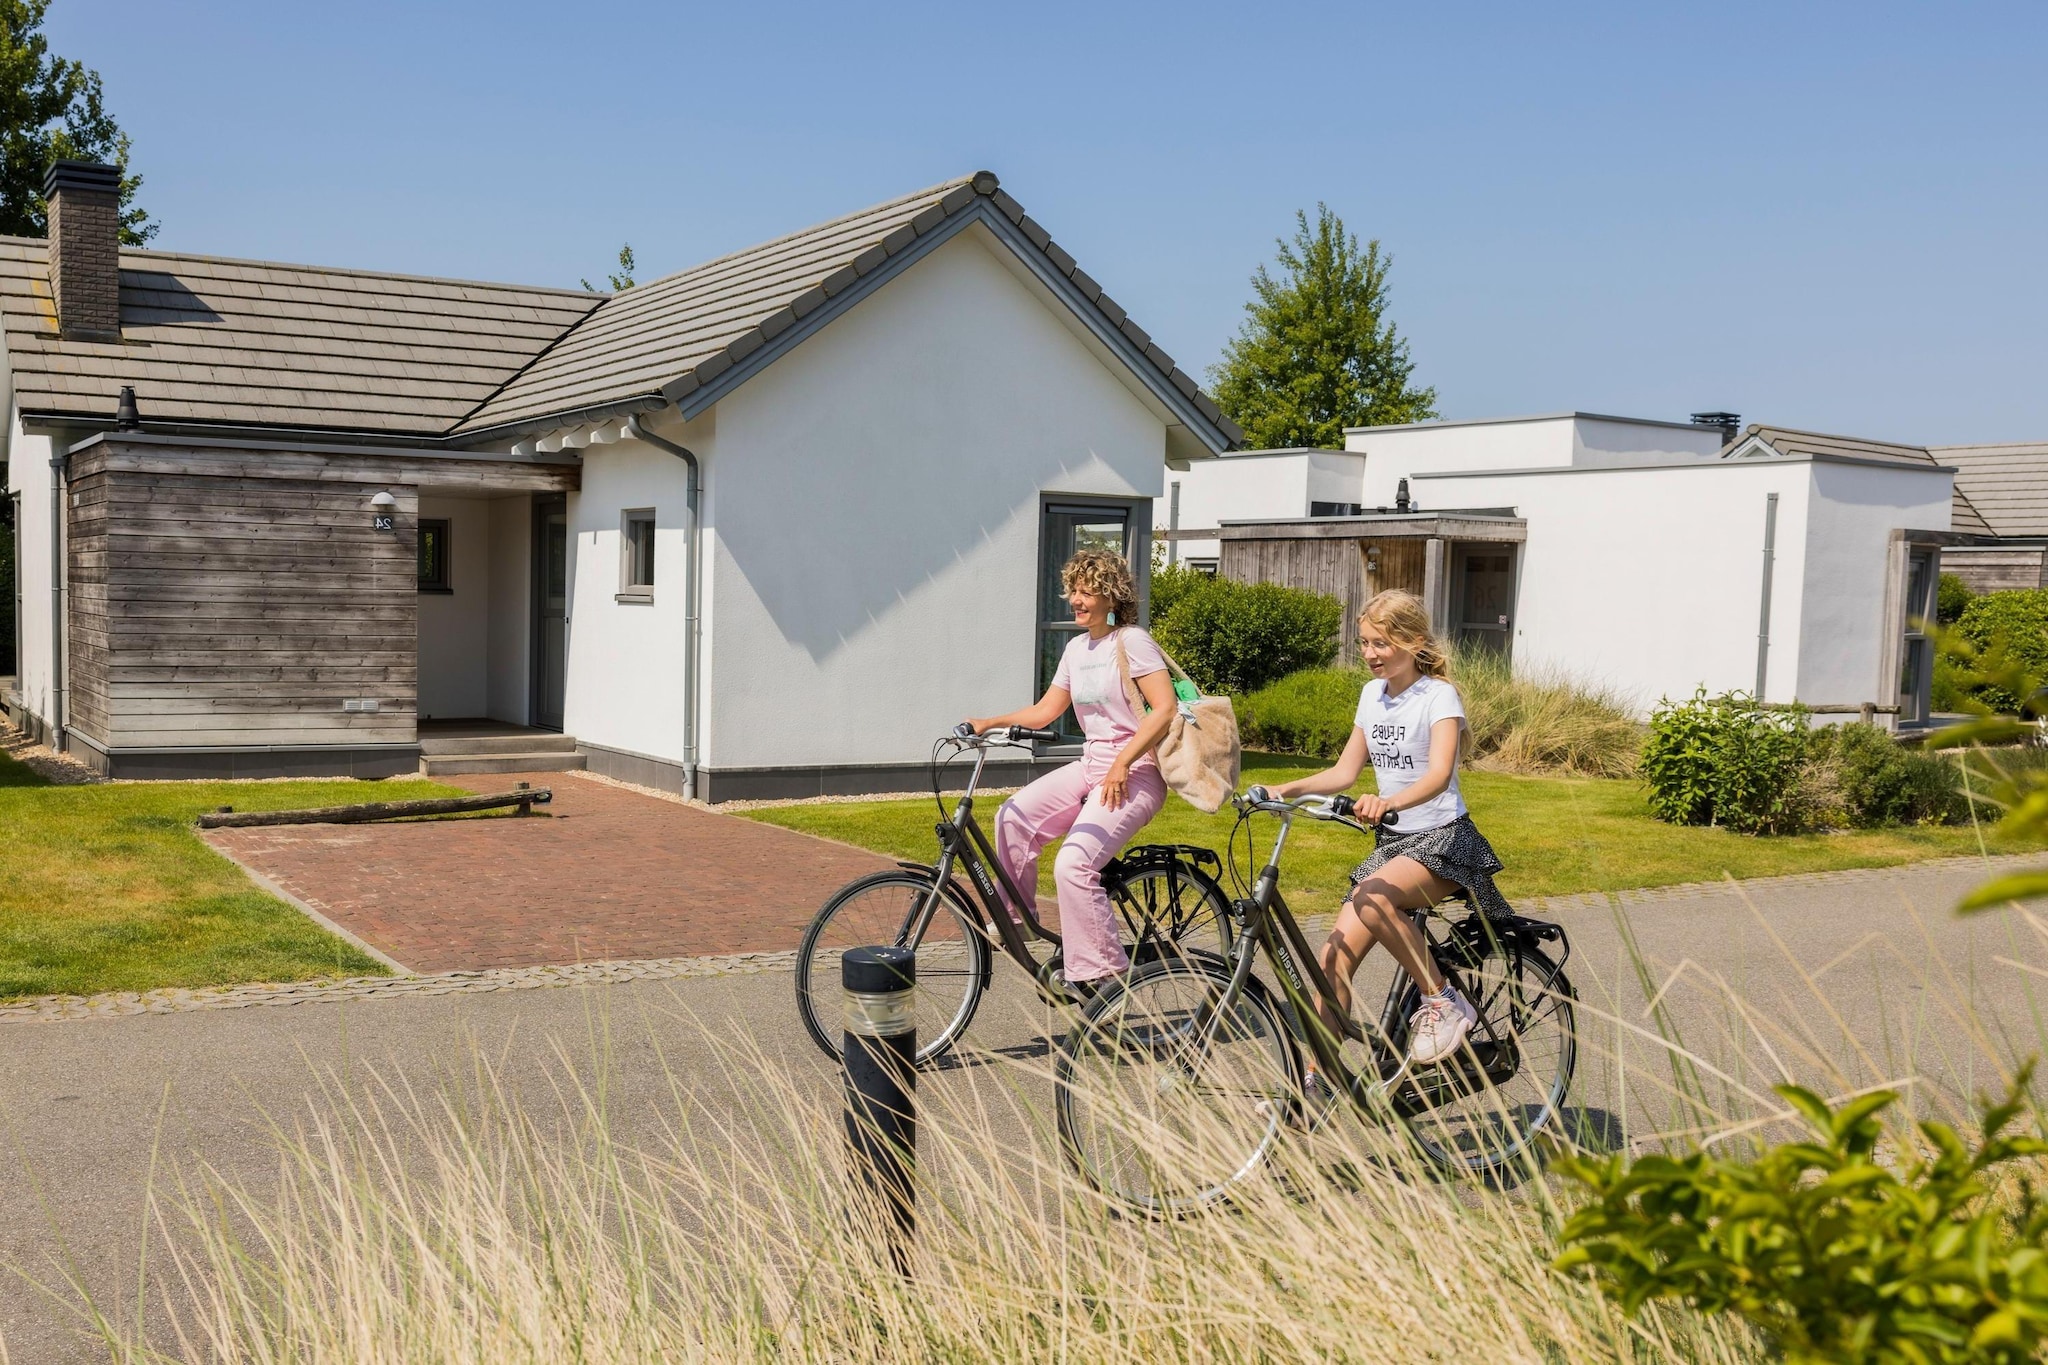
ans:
(1200, 756)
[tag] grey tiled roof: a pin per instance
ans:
(252, 343)
(2007, 484)
(1963, 514)
(255, 343)
(1786, 441)
(674, 335)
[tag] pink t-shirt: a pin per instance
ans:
(1089, 673)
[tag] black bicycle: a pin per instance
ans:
(1179, 1081)
(1165, 895)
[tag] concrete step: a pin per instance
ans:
(457, 765)
(529, 742)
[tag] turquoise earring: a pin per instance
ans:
(1112, 618)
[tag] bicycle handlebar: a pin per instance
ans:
(963, 733)
(1314, 807)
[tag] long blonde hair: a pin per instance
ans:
(1402, 618)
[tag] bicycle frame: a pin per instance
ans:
(1270, 927)
(961, 840)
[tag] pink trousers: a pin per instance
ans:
(1068, 802)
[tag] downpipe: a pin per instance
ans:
(691, 595)
(59, 481)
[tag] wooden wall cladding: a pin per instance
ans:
(225, 609)
(1327, 566)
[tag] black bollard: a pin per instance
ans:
(880, 1053)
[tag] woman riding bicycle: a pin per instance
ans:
(1410, 723)
(1099, 802)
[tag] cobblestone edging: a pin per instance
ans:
(55, 1008)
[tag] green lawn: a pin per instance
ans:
(1557, 835)
(108, 888)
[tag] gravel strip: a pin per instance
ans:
(56, 1008)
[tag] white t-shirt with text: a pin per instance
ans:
(1397, 733)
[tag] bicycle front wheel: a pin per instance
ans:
(1481, 1110)
(1169, 1092)
(880, 911)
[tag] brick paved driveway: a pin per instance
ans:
(608, 874)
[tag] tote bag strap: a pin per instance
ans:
(1132, 695)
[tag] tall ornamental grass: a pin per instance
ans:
(1534, 722)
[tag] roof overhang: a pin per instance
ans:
(1485, 523)
(463, 471)
(1722, 463)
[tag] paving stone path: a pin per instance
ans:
(609, 873)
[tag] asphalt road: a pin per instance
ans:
(1841, 980)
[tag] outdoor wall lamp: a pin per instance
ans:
(383, 512)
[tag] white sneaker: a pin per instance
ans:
(1439, 1027)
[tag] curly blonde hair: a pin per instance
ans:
(1402, 618)
(1106, 575)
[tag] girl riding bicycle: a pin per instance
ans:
(1106, 674)
(1410, 724)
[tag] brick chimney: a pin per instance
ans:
(85, 244)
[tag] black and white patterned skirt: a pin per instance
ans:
(1456, 852)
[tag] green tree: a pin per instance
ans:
(1317, 352)
(623, 280)
(52, 109)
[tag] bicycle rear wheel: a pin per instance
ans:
(952, 957)
(1175, 903)
(1481, 1110)
(1168, 1094)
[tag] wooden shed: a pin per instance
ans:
(236, 608)
(1463, 565)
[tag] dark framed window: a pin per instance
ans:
(1916, 655)
(1068, 525)
(636, 555)
(1335, 509)
(434, 576)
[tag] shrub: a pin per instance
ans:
(1170, 583)
(1833, 1253)
(1880, 782)
(1237, 637)
(1540, 724)
(1309, 712)
(1951, 596)
(1726, 761)
(2013, 625)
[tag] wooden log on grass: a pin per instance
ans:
(526, 798)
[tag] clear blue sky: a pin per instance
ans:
(1832, 216)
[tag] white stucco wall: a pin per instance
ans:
(625, 681)
(454, 627)
(1649, 580)
(1396, 453)
(29, 474)
(874, 502)
(1598, 441)
(509, 663)
(1574, 439)
(1251, 486)
(1852, 512)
